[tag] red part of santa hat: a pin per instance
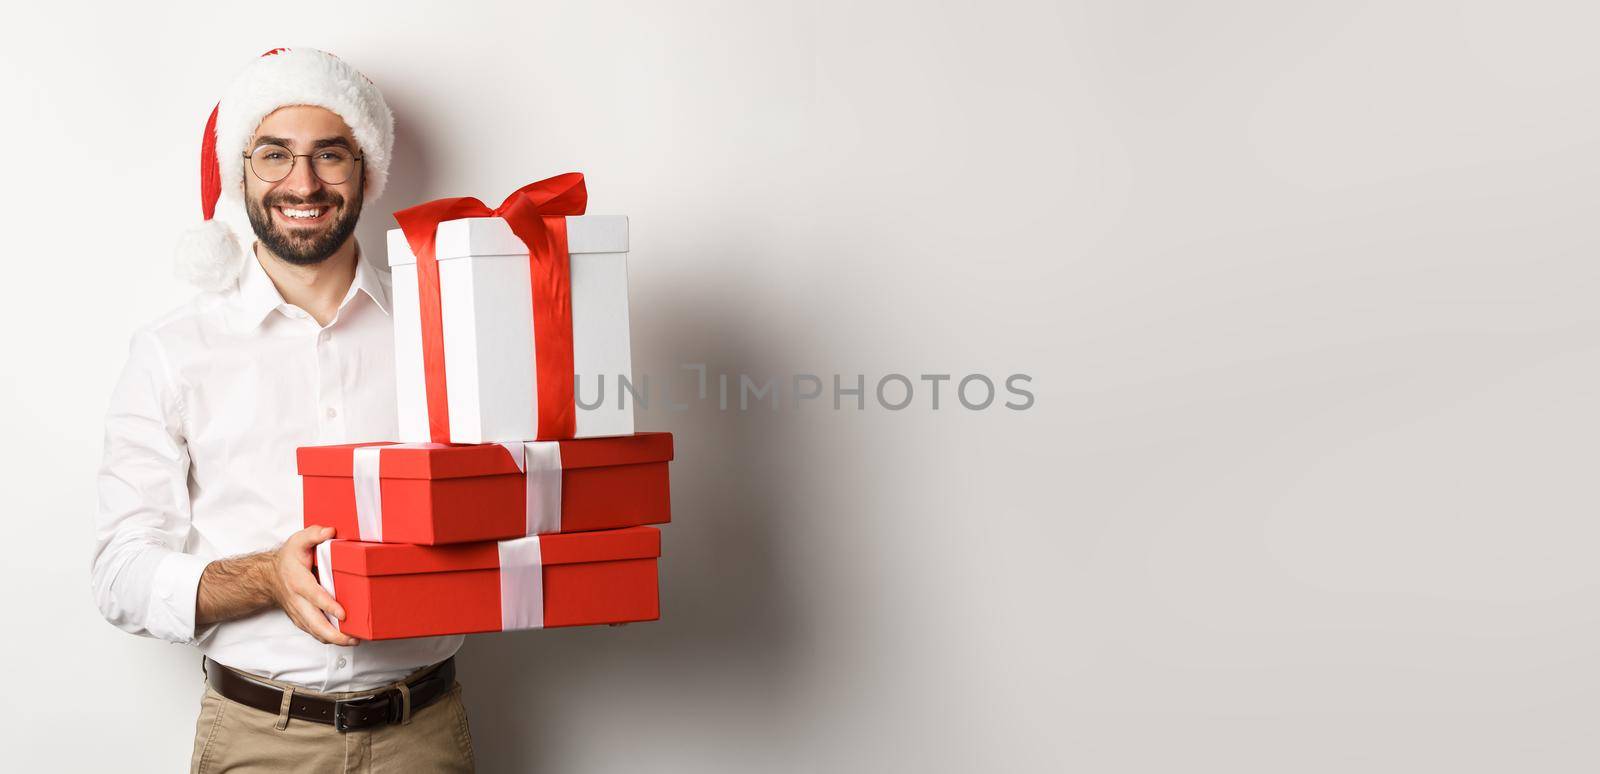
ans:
(211, 254)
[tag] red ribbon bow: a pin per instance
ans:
(537, 214)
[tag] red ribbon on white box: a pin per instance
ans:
(537, 214)
(539, 462)
(521, 582)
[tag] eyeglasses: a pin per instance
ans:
(332, 165)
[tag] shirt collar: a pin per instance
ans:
(368, 281)
(258, 297)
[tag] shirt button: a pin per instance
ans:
(322, 338)
(341, 662)
(332, 412)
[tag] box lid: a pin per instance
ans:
(370, 559)
(493, 236)
(442, 460)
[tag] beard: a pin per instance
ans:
(313, 246)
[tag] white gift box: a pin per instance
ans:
(487, 313)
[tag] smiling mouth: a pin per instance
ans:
(303, 216)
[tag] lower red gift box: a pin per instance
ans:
(434, 493)
(391, 590)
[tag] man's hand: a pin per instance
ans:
(297, 591)
(234, 588)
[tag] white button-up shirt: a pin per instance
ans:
(200, 465)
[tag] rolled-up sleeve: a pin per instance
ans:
(142, 580)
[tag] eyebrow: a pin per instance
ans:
(326, 142)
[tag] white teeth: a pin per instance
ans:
(300, 213)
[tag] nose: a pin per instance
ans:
(301, 181)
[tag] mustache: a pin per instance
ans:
(322, 199)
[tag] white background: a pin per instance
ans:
(1307, 291)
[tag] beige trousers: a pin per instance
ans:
(231, 737)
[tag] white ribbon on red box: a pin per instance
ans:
(325, 574)
(539, 462)
(369, 493)
(521, 582)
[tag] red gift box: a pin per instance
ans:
(391, 590)
(432, 494)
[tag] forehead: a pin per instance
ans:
(304, 123)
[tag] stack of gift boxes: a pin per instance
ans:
(502, 505)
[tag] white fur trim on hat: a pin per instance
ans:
(293, 76)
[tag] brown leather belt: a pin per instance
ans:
(385, 706)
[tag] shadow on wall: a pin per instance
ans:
(729, 623)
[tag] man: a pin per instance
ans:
(197, 533)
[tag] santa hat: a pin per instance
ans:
(210, 255)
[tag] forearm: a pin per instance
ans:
(234, 588)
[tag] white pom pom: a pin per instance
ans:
(209, 256)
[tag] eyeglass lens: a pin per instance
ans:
(272, 163)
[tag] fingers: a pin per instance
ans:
(308, 538)
(310, 619)
(324, 601)
(304, 600)
(301, 582)
(300, 539)
(297, 550)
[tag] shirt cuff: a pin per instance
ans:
(172, 598)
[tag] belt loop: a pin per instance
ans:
(283, 711)
(405, 703)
